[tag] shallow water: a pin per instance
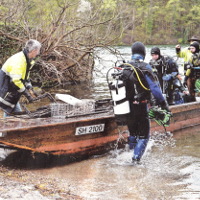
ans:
(170, 169)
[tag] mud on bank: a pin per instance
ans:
(24, 184)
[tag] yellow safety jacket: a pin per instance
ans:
(16, 68)
(13, 75)
(185, 54)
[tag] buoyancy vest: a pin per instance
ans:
(134, 89)
(164, 65)
(196, 59)
(195, 69)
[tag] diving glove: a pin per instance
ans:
(160, 116)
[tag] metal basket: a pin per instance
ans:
(62, 110)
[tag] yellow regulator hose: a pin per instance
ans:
(137, 75)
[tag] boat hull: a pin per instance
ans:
(64, 136)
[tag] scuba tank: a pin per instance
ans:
(178, 91)
(121, 105)
(178, 96)
(118, 93)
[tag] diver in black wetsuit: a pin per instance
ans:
(140, 82)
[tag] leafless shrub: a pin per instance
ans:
(68, 36)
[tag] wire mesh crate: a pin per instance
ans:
(62, 110)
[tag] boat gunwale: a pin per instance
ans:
(56, 121)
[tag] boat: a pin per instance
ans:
(79, 134)
(84, 134)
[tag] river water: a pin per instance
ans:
(170, 167)
(98, 89)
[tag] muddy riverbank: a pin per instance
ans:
(26, 185)
(23, 185)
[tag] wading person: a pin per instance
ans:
(140, 82)
(166, 70)
(14, 77)
(193, 71)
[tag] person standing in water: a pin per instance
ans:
(140, 82)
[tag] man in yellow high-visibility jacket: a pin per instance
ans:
(14, 77)
(186, 53)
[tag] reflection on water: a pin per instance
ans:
(170, 169)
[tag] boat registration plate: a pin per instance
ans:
(90, 129)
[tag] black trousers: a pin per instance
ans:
(138, 122)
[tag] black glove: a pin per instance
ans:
(185, 81)
(164, 106)
(178, 48)
(28, 96)
(28, 84)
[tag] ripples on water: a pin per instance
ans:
(169, 169)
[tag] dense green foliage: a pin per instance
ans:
(160, 21)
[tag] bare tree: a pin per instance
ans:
(68, 34)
